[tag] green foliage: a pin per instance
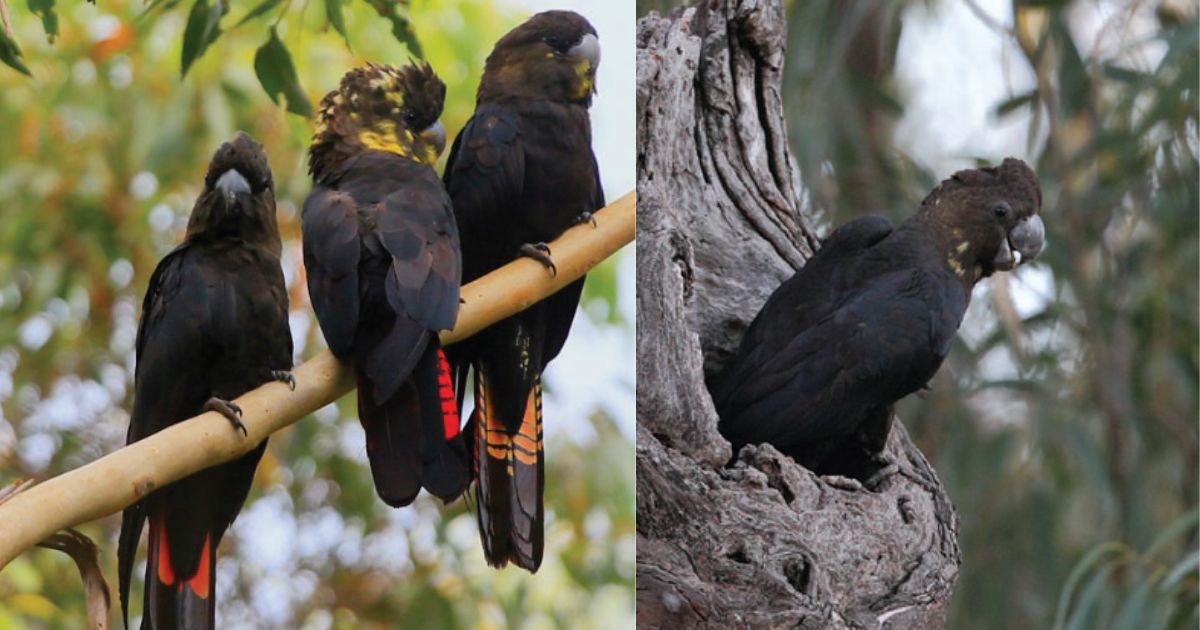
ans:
(277, 75)
(273, 65)
(10, 54)
(333, 12)
(402, 28)
(203, 28)
(1156, 594)
(45, 10)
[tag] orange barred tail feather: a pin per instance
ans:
(172, 600)
(510, 479)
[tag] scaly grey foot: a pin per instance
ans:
(541, 253)
(228, 409)
(284, 376)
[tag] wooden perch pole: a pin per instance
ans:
(117, 480)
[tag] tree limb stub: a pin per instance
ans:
(117, 480)
(722, 222)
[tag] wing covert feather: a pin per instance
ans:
(331, 256)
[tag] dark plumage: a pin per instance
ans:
(214, 326)
(870, 318)
(520, 173)
(382, 255)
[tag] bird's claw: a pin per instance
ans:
(541, 253)
(586, 217)
(284, 376)
(230, 410)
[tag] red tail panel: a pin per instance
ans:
(446, 394)
(199, 582)
(166, 574)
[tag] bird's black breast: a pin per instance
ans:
(821, 356)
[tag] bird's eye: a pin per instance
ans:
(552, 41)
(1001, 210)
(409, 116)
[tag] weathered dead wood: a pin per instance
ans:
(721, 222)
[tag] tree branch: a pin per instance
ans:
(117, 480)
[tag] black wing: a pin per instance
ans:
(331, 256)
(171, 377)
(417, 228)
(485, 172)
(809, 296)
(882, 343)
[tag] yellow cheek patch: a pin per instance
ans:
(962, 247)
(379, 142)
(429, 155)
(584, 86)
(385, 138)
(955, 266)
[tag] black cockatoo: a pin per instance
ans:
(520, 173)
(382, 256)
(870, 318)
(214, 326)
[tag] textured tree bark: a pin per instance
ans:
(722, 222)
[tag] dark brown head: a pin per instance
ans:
(381, 108)
(553, 55)
(238, 197)
(987, 218)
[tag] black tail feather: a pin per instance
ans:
(393, 431)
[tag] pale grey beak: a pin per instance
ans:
(588, 48)
(231, 184)
(1028, 238)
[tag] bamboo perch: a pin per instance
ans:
(118, 479)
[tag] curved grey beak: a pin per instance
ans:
(1028, 238)
(435, 135)
(588, 48)
(231, 184)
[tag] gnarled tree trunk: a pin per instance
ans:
(721, 223)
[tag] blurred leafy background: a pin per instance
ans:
(1064, 424)
(106, 143)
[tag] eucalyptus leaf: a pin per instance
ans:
(10, 54)
(203, 28)
(401, 26)
(262, 8)
(277, 74)
(333, 12)
(45, 10)
(1014, 103)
